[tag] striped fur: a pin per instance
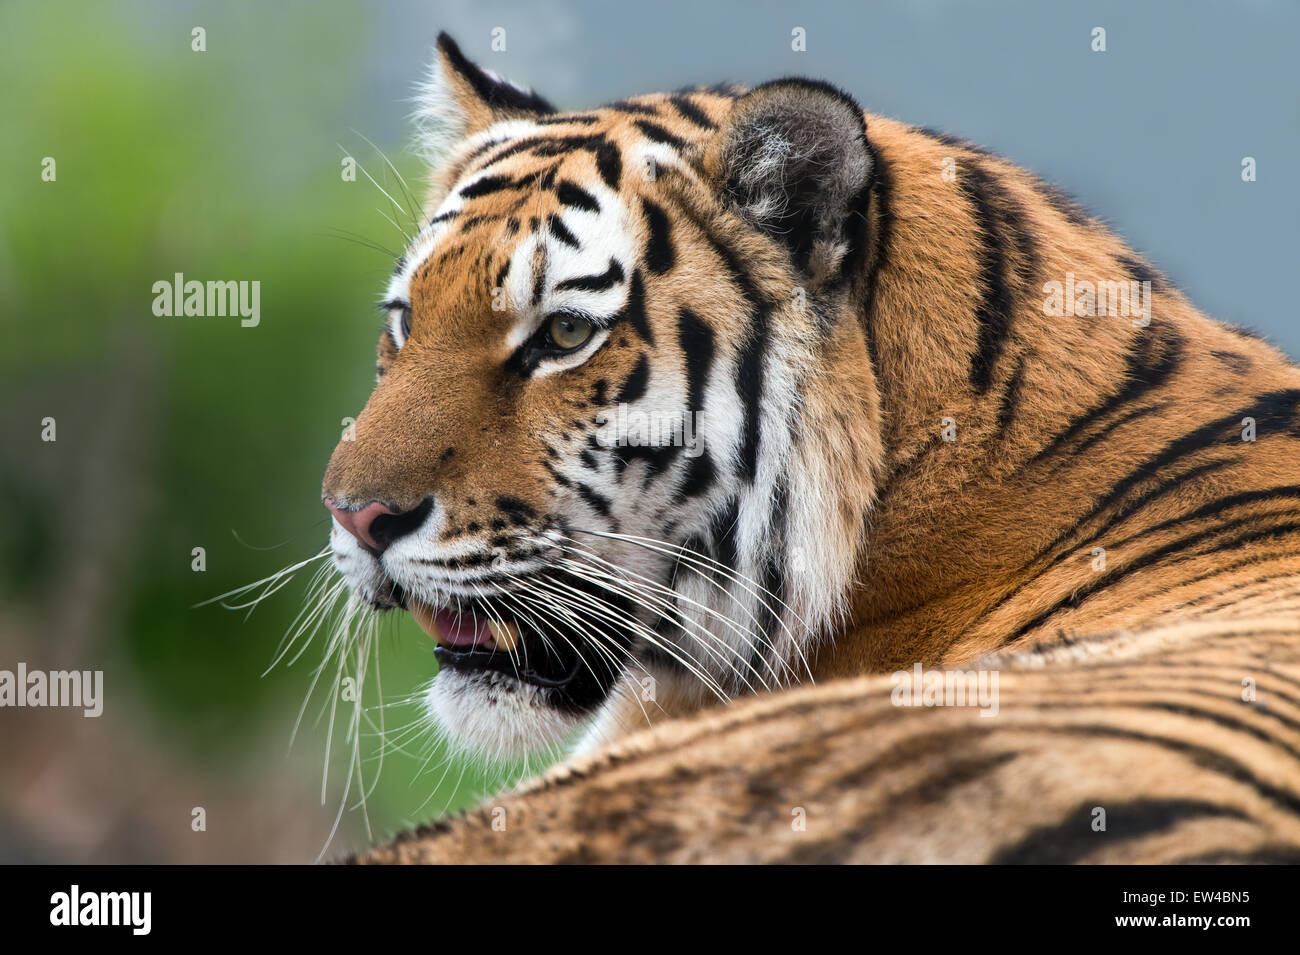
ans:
(908, 457)
(1149, 728)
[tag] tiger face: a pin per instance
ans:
(623, 434)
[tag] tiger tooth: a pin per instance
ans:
(424, 616)
(504, 635)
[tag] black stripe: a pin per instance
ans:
(1142, 271)
(634, 311)
(559, 145)
(635, 385)
(1058, 199)
(1115, 574)
(1064, 203)
(1104, 432)
(699, 477)
(636, 109)
(1011, 396)
(1216, 507)
(660, 135)
(472, 221)
(609, 163)
(749, 371)
(841, 845)
(1212, 760)
(722, 531)
(1229, 723)
(774, 584)
(594, 499)
(560, 479)
(1257, 580)
(570, 195)
(750, 384)
(881, 197)
(691, 112)
(612, 276)
(1250, 536)
(1073, 839)
(1153, 356)
(560, 231)
(660, 255)
(773, 598)
(473, 154)
(539, 283)
(1028, 577)
(1000, 223)
(949, 139)
(1238, 363)
(519, 512)
(729, 90)
(696, 340)
(488, 185)
(1173, 483)
(542, 145)
(496, 94)
(1214, 433)
(509, 149)
(657, 457)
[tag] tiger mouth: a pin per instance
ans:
(487, 635)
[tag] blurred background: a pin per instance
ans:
(178, 433)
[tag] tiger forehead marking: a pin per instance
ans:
(553, 215)
(699, 395)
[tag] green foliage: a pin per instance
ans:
(220, 165)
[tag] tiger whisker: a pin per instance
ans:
(673, 611)
(412, 207)
(752, 587)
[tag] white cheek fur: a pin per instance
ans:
(494, 716)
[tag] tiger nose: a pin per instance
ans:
(376, 525)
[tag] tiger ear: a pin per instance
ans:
(792, 158)
(460, 98)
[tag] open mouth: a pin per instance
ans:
(574, 650)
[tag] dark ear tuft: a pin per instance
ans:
(792, 158)
(460, 98)
(495, 93)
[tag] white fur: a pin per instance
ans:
(496, 714)
(438, 119)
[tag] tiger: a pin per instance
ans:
(705, 421)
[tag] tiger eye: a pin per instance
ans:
(570, 331)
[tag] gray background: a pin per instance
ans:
(1149, 135)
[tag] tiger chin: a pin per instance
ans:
(898, 454)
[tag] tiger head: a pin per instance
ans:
(624, 433)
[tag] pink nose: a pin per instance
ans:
(358, 522)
